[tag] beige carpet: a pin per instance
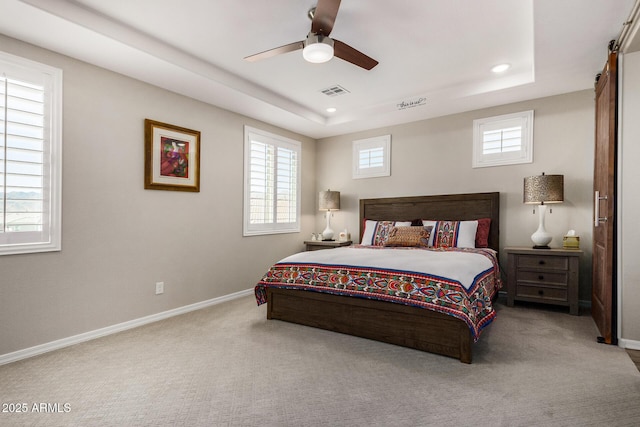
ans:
(228, 365)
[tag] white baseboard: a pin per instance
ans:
(76, 339)
(630, 344)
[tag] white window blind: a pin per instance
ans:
(272, 183)
(30, 145)
(503, 140)
(371, 158)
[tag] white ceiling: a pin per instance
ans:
(435, 55)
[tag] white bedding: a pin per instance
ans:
(461, 265)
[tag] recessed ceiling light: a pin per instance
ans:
(501, 68)
(331, 110)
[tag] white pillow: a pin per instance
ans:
(467, 236)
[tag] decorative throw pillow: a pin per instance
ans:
(414, 236)
(432, 224)
(453, 234)
(482, 234)
(376, 232)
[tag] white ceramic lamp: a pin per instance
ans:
(543, 190)
(329, 201)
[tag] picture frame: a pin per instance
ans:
(171, 157)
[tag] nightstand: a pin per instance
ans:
(548, 276)
(316, 245)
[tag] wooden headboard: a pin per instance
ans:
(444, 207)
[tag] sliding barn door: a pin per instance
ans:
(603, 295)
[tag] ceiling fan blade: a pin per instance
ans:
(349, 54)
(325, 16)
(275, 51)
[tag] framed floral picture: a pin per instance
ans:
(171, 157)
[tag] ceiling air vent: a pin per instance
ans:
(334, 91)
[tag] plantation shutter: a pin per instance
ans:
(272, 183)
(30, 129)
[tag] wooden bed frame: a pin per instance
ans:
(384, 321)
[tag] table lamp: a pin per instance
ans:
(329, 201)
(543, 190)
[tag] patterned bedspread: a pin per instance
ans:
(458, 282)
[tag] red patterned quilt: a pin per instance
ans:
(458, 282)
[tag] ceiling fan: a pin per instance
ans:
(318, 47)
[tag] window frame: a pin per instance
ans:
(379, 142)
(279, 142)
(523, 119)
(49, 239)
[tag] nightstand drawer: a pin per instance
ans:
(541, 292)
(558, 279)
(541, 261)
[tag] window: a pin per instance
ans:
(371, 157)
(503, 140)
(271, 183)
(30, 156)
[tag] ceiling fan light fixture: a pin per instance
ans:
(317, 48)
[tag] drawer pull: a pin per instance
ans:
(540, 292)
(541, 262)
(541, 277)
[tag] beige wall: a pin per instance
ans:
(434, 157)
(119, 239)
(629, 200)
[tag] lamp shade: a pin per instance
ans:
(543, 189)
(329, 200)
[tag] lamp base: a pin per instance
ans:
(541, 238)
(327, 234)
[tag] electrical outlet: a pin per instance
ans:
(159, 288)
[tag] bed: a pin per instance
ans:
(393, 319)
